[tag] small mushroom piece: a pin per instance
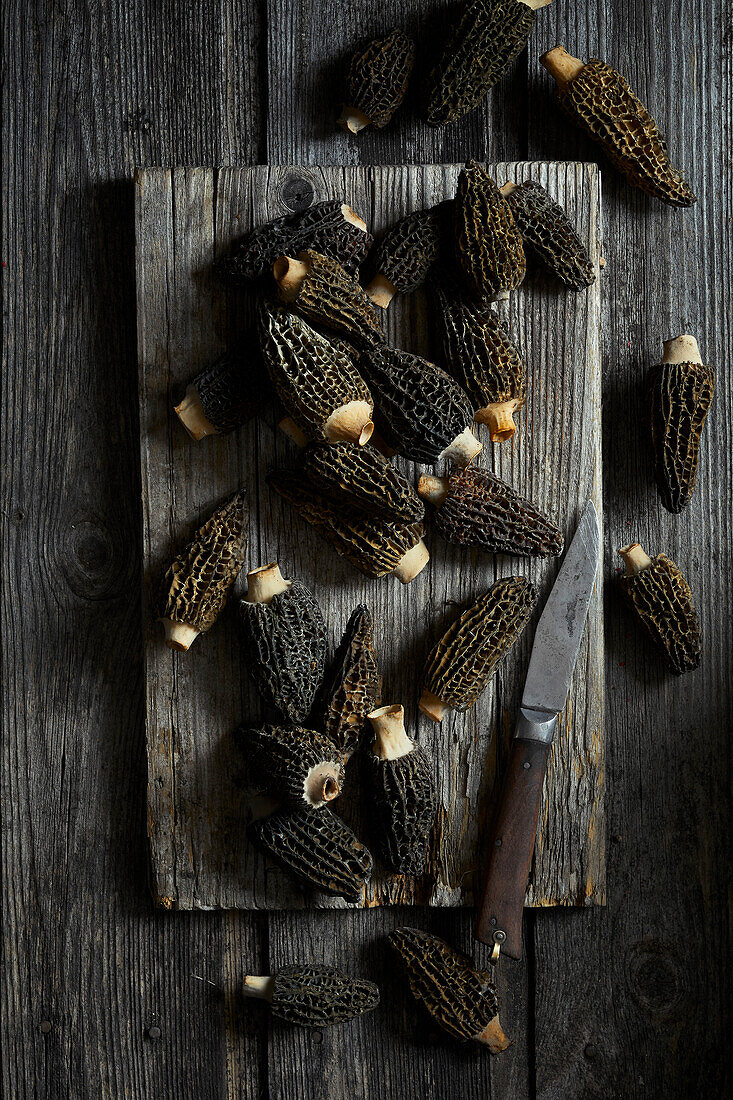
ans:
(299, 765)
(487, 245)
(316, 381)
(355, 686)
(461, 1000)
(374, 547)
(680, 394)
(377, 82)
(326, 295)
(197, 582)
(468, 655)
(313, 995)
(548, 233)
(284, 635)
(317, 847)
(223, 396)
(661, 599)
(330, 227)
(364, 477)
(599, 100)
(487, 37)
(480, 355)
(406, 253)
(420, 408)
(475, 508)
(402, 789)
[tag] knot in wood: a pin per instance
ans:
(297, 193)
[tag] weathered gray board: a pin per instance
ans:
(197, 810)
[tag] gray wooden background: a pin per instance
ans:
(101, 995)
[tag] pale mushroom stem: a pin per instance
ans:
(265, 582)
(191, 414)
(256, 985)
(291, 429)
(493, 1036)
(390, 736)
(507, 189)
(562, 65)
(352, 119)
(463, 449)
(635, 558)
(289, 275)
(412, 563)
(433, 489)
(179, 635)
(681, 349)
(432, 706)
(351, 422)
(322, 784)
(535, 4)
(499, 418)
(381, 291)
(353, 218)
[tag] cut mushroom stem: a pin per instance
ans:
(535, 4)
(291, 429)
(289, 275)
(562, 65)
(433, 489)
(351, 422)
(432, 706)
(635, 558)
(352, 119)
(412, 563)
(681, 349)
(353, 218)
(256, 985)
(499, 418)
(463, 449)
(191, 414)
(381, 291)
(179, 635)
(493, 1036)
(321, 784)
(507, 189)
(265, 582)
(390, 736)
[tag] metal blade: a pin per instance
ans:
(560, 629)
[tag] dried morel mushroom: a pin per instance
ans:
(317, 847)
(197, 582)
(355, 686)
(330, 227)
(313, 995)
(481, 356)
(373, 546)
(463, 1001)
(377, 82)
(406, 253)
(221, 397)
(487, 246)
(317, 383)
(599, 100)
(471, 650)
(486, 39)
(402, 789)
(662, 601)
(323, 292)
(299, 765)
(421, 409)
(475, 508)
(364, 477)
(548, 233)
(284, 640)
(680, 393)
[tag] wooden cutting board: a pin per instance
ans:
(197, 807)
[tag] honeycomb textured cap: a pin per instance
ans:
(408, 250)
(550, 235)
(233, 389)
(680, 395)
(366, 478)
(404, 805)
(662, 601)
(488, 246)
(355, 686)
(298, 765)
(377, 80)
(320, 996)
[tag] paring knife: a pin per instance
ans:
(554, 653)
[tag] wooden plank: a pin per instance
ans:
(196, 699)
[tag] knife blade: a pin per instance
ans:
(554, 654)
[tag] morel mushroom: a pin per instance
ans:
(318, 848)
(330, 227)
(472, 649)
(317, 383)
(364, 477)
(377, 82)
(221, 397)
(475, 508)
(599, 100)
(661, 599)
(406, 253)
(461, 1000)
(284, 640)
(402, 788)
(420, 408)
(680, 392)
(355, 686)
(299, 765)
(488, 36)
(198, 580)
(479, 353)
(549, 234)
(313, 995)
(487, 246)
(323, 292)
(375, 547)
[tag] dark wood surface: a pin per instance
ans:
(101, 995)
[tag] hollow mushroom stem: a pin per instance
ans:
(412, 563)
(381, 291)
(390, 736)
(432, 706)
(353, 218)
(179, 635)
(256, 985)
(433, 489)
(291, 429)
(463, 449)
(265, 582)
(352, 119)
(290, 275)
(681, 349)
(493, 1036)
(635, 558)
(507, 189)
(499, 418)
(561, 65)
(191, 414)
(322, 784)
(351, 422)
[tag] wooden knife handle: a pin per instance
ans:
(512, 845)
